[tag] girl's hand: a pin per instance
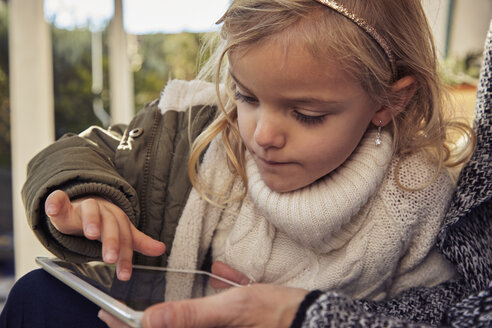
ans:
(98, 219)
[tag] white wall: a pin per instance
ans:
(437, 15)
(471, 22)
(122, 106)
(470, 19)
(31, 112)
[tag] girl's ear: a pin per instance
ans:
(404, 89)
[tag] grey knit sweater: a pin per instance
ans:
(465, 239)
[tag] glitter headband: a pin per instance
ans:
(371, 31)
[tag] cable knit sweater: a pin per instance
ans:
(354, 230)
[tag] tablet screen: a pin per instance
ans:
(147, 285)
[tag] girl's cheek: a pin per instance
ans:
(246, 127)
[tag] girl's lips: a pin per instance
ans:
(271, 162)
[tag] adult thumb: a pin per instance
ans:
(192, 313)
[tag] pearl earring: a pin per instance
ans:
(378, 136)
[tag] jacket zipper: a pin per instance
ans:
(146, 175)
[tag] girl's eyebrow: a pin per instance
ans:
(238, 83)
(300, 101)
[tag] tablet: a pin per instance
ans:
(127, 300)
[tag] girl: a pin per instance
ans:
(320, 162)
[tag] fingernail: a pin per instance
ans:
(110, 256)
(124, 274)
(101, 315)
(51, 210)
(91, 230)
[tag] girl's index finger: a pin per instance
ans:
(146, 245)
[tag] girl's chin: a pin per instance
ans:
(283, 185)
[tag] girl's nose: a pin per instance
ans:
(269, 131)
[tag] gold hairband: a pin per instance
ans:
(367, 28)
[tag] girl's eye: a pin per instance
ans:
(303, 118)
(247, 99)
(308, 119)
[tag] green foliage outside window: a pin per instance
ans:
(158, 57)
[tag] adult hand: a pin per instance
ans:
(98, 219)
(258, 306)
(255, 306)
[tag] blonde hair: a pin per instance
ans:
(422, 125)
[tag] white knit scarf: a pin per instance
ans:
(297, 238)
(313, 216)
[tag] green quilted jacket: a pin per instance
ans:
(141, 167)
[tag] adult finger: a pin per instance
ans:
(194, 313)
(58, 208)
(225, 271)
(110, 320)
